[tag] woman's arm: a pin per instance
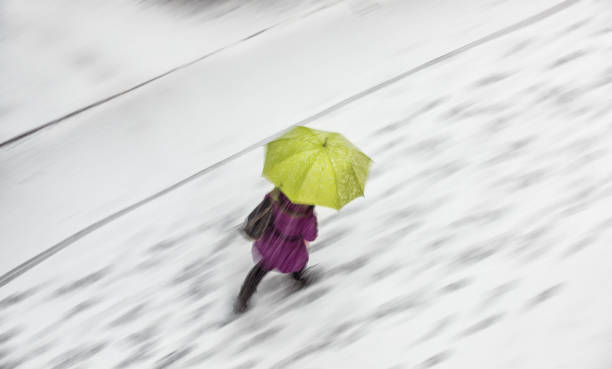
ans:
(310, 229)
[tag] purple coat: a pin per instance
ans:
(283, 246)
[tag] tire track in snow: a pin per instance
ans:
(29, 264)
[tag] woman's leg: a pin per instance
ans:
(301, 276)
(249, 286)
(298, 275)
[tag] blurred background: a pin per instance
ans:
(131, 146)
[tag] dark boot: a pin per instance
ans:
(301, 277)
(249, 287)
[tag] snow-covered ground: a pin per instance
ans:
(105, 159)
(482, 241)
(59, 55)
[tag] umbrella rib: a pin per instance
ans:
(290, 156)
(335, 176)
(313, 135)
(355, 173)
(308, 172)
(361, 185)
(297, 139)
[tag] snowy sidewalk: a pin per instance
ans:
(483, 241)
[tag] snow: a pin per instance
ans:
(482, 240)
(117, 154)
(60, 55)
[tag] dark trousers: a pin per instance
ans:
(250, 284)
(253, 279)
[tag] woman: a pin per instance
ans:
(283, 245)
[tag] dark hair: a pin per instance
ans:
(302, 208)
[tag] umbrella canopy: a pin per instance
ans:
(316, 167)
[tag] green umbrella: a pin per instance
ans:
(316, 167)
